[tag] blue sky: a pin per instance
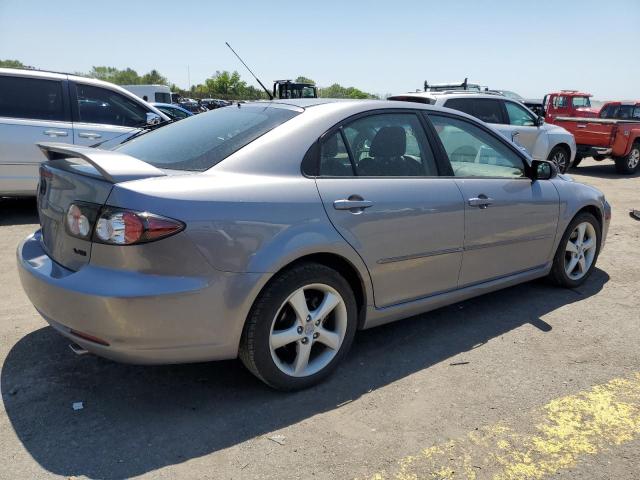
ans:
(530, 47)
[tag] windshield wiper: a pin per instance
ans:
(145, 128)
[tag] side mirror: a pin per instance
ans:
(153, 118)
(539, 121)
(543, 170)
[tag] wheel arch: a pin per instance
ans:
(357, 279)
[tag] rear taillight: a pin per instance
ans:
(115, 226)
(79, 220)
(124, 227)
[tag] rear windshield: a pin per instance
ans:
(202, 141)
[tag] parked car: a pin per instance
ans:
(213, 103)
(174, 112)
(509, 117)
(192, 105)
(273, 231)
(568, 103)
(151, 93)
(606, 137)
(37, 105)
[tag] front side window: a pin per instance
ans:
(103, 106)
(31, 98)
(518, 115)
(636, 112)
(581, 102)
(174, 113)
(206, 140)
(390, 145)
(473, 152)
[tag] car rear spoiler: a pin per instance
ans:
(114, 167)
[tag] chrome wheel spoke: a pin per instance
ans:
(588, 244)
(302, 357)
(329, 302)
(298, 302)
(328, 338)
(571, 247)
(581, 229)
(572, 265)
(280, 338)
(582, 265)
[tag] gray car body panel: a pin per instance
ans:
(254, 214)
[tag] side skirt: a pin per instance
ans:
(380, 316)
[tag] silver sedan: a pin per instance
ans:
(273, 231)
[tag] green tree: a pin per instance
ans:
(12, 64)
(338, 91)
(302, 79)
(153, 78)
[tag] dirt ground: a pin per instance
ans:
(529, 382)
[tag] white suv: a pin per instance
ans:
(543, 141)
(37, 106)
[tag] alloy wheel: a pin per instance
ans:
(308, 330)
(580, 251)
(634, 158)
(560, 159)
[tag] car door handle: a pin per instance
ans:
(352, 204)
(480, 201)
(93, 136)
(56, 133)
(581, 126)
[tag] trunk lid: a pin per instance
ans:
(81, 176)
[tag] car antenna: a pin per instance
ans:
(254, 75)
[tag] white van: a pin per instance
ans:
(151, 93)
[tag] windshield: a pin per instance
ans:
(581, 102)
(200, 142)
(162, 97)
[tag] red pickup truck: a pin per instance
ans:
(615, 134)
(567, 103)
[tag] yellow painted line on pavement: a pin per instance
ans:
(559, 435)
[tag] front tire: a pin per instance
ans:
(578, 251)
(300, 327)
(560, 156)
(629, 165)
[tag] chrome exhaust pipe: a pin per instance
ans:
(77, 349)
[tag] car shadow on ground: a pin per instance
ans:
(138, 419)
(18, 211)
(603, 169)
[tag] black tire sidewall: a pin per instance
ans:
(267, 306)
(558, 272)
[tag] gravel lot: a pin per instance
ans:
(463, 392)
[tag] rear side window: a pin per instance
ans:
(381, 145)
(107, 107)
(31, 98)
(486, 109)
(200, 142)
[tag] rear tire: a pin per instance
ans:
(576, 162)
(577, 252)
(629, 165)
(300, 327)
(560, 156)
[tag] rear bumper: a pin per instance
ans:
(145, 319)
